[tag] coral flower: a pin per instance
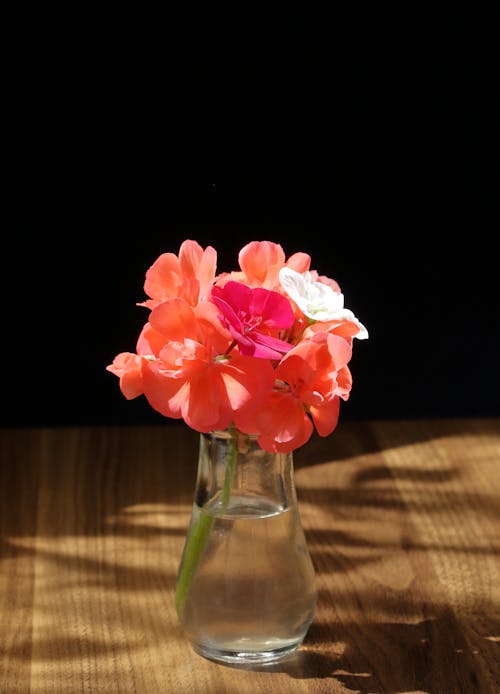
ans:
(188, 382)
(260, 263)
(310, 379)
(189, 276)
(129, 366)
(251, 315)
(193, 377)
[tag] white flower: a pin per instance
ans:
(316, 300)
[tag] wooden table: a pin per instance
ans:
(402, 521)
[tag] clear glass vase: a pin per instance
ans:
(245, 590)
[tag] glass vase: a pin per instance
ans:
(245, 589)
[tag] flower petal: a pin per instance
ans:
(326, 416)
(274, 309)
(284, 424)
(150, 341)
(260, 261)
(165, 395)
(208, 407)
(247, 381)
(163, 277)
(128, 367)
(267, 347)
(174, 319)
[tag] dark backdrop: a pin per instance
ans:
(362, 138)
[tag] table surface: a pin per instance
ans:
(402, 519)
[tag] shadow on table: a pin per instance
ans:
(357, 438)
(429, 656)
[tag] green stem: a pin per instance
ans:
(200, 530)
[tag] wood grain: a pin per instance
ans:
(402, 520)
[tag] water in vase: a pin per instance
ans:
(253, 593)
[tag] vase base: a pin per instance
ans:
(243, 657)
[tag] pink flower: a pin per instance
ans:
(251, 315)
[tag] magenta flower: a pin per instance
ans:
(254, 317)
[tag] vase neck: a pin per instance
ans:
(234, 469)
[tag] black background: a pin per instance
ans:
(361, 136)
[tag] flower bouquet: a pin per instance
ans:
(254, 360)
(265, 348)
